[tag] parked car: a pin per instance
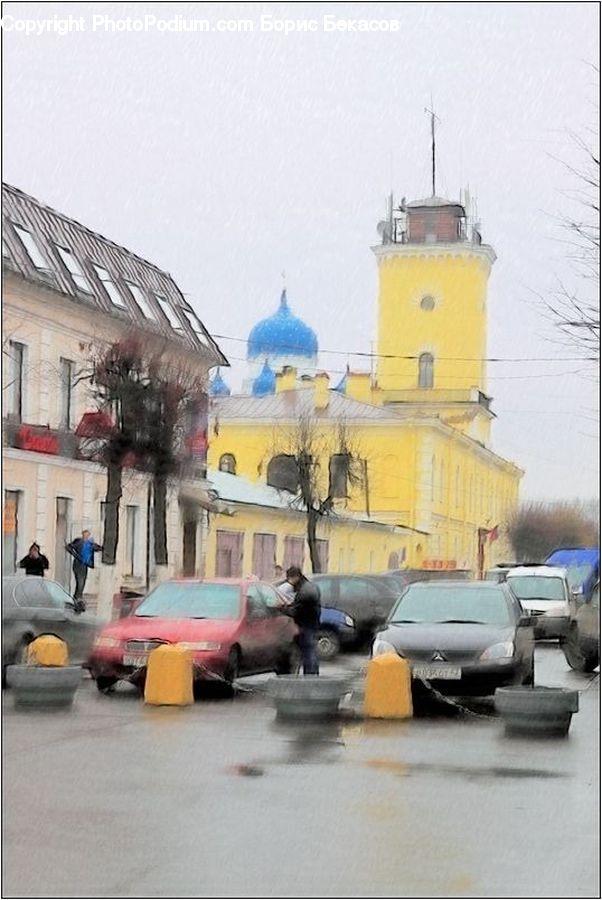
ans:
(582, 565)
(367, 599)
(233, 627)
(465, 639)
(500, 572)
(337, 629)
(32, 606)
(404, 577)
(544, 593)
(581, 646)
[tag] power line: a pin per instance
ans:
(439, 377)
(372, 355)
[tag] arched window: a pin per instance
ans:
(227, 463)
(338, 472)
(282, 473)
(426, 365)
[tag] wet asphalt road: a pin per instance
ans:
(115, 799)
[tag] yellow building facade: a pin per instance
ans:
(256, 530)
(420, 425)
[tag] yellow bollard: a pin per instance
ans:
(169, 677)
(388, 688)
(47, 650)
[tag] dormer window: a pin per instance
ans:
(110, 286)
(31, 247)
(140, 298)
(196, 327)
(74, 268)
(169, 312)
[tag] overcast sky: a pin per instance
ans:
(226, 158)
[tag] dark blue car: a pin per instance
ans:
(336, 629)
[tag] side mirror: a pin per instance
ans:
(526, 621)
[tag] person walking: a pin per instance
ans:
(305, 611)
(35, 563)
(82, 550)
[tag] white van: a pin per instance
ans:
(545, 594)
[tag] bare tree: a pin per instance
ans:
(151, 412)
(306, 463)
(576, 309)
(538, 528)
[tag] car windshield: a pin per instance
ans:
(178, 600)
(436, 604)
(578, 575)
(537, 587)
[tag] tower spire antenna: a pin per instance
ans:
(430, 112)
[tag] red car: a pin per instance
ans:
(232, 627)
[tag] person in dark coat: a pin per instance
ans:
(305, 611)
(82, 550)
(35, 563)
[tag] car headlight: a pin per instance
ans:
(379, 648)
(200, 645)
(503, 650)
(349, 621)
(106, 642)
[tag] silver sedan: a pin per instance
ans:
(33, 606)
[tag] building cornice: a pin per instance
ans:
(461, 249)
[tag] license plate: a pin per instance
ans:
(432, 673)
(137, 660)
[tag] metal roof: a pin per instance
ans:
(62, 256)
(296, 403)
(236, 489)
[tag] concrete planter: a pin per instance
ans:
(536, 710)
(42, 686)
(307, 697)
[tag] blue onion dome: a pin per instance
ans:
(218, 387)
(265, 383)
(282, 334)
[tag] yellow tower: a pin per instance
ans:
(432, 309)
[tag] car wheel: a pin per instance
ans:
(328, 644)
(232, 670)
(591, 662)
(572, 651)
(104, 683)
(21, 650)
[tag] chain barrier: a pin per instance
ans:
(449, 702)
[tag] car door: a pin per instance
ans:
(358, 600)
(280, 626)
(257, 633)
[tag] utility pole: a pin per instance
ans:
(431, 113)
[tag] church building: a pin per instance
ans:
(419, 424)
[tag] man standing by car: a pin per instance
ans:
(305, 611)
(82, 550)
